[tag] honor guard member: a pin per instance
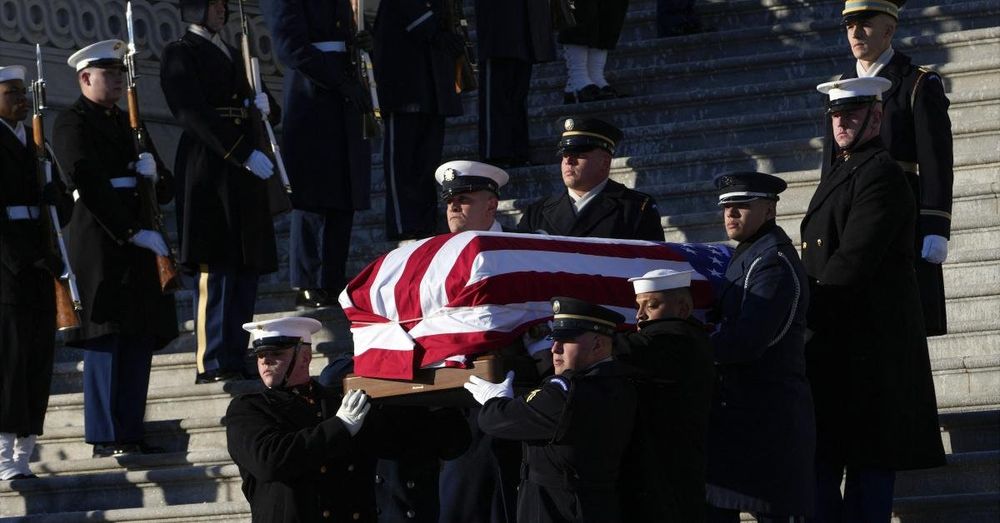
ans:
(328, 160)
(585, 47)
(673, 356)
(414, 60)
(575, 427)
(593, 205)
(471, 194)
(761, 435)
(876, 410)
(512, 36)
(224, 220)
(916, 131)
(299, 446)
(27, 268)
(125, 314)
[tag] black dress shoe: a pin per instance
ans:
(23, 476)
(314, 299)
(107, 450)
(213, 376)
(589, 93)
(139, 448)
(607, 93)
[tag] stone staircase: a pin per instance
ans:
(742, 97)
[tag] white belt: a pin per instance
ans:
(125, 182)
(23, 212)
(331, 47)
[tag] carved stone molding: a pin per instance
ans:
(74, 24)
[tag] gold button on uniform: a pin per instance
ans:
(326, 513)
(819, 242)
(322, 469)
(237, 121)
(410, 484)
(356, 516)
(411, 514)
(350, 468)
(804, 245)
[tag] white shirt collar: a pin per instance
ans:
(883, 59)
(211, 37)
(18, 131)
(579, 202)
(496, 227)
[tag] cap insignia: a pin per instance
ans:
(118, 46)
(450, 174)
(555, 307)
(569, 124)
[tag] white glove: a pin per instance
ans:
(262, 103)
(260, 165)
(935, 249)
(353, 409)
(146, 166)
(484, 391)
(151, 240)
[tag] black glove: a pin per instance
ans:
(51, 195)
(449, 43)
(364, 41)
(356, 94)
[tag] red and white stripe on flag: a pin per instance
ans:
(442, 298)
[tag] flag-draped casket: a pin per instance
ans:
(438, 300)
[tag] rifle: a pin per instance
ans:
(252, 67)
(152, 216)
(66, 292)
(371, 122)
(466, 66)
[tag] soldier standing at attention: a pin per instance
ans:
(27, 269)
(125, 314)
(593, 205)
(876, 410)
(328, 160)
(512, 35)
(415, 54)
(916, 131)
(224, 220)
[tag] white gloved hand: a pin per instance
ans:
(146, 166)
(935, 249)
(260, 165)
(353, 409)
(262, 103)
(484, 391)
(151, 240)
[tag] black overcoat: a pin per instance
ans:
(328, 161)
(27, 263)
(761, 436)
(868, 361)
(616, 212)
(223, 211)
(916, 130)
(413, 71)
(118, 282)
(599, 23)
(299, 463)
(515, 29)
(575, 430)
(674, 358)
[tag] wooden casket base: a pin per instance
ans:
(430, 387)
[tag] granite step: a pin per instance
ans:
(217, 512)
(965, 473)
(190, 433)
(965, 508)
(121, 489)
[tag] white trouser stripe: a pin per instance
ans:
(419, 21)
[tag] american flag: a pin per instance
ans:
(435, 301)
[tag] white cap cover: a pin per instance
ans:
(290, 327)
(12, 72)
(106, 52)
(661, 280)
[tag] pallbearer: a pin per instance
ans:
(125, 314)
(27, 267)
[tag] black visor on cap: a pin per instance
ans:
(464, 184)
(106, 63)
(850, 104)
(274, 344)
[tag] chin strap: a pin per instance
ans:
(291, 366)
(862, 130)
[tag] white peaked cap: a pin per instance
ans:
(861, 88)
(454, 170)
(661, 280)
(282, 329)
(12, 72)
(100, 53)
